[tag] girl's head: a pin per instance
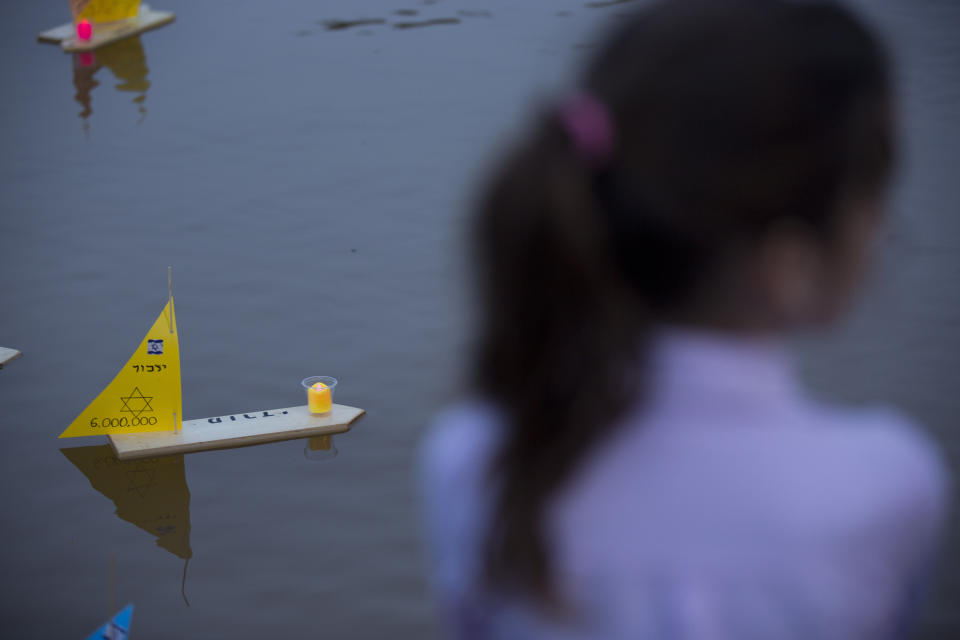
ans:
(754, 137)
(752, 142)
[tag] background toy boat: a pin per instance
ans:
(8, 355)
(117, 627)
(104, 33)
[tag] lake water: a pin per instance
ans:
(309, 186)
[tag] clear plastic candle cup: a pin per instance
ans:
(319, 394)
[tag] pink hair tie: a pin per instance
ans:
(588, 123)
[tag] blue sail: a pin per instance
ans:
(117, 628)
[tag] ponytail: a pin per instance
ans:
(559, 340)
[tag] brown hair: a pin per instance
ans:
(730, 117)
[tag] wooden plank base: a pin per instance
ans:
(238, 430)
(8, 355)
(104, 34)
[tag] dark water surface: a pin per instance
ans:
(304, 166)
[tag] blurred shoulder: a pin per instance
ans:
(893, 455)
(454, 491)
(460, 438)
(891, 438)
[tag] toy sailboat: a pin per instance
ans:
(141, 409)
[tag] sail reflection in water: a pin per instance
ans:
(127, 62)
(151, 494)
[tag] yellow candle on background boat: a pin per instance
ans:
(318, 398)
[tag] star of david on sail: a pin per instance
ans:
(136, 403)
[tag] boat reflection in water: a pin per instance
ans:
(151, 494)
(126, 60)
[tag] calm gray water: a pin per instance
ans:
(308, 187)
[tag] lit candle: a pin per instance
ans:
(84, 30)
(319, 393)
(318, 398)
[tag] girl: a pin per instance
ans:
(639, 459)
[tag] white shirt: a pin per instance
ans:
(727, 507)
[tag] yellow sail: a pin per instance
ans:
(145, 395)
